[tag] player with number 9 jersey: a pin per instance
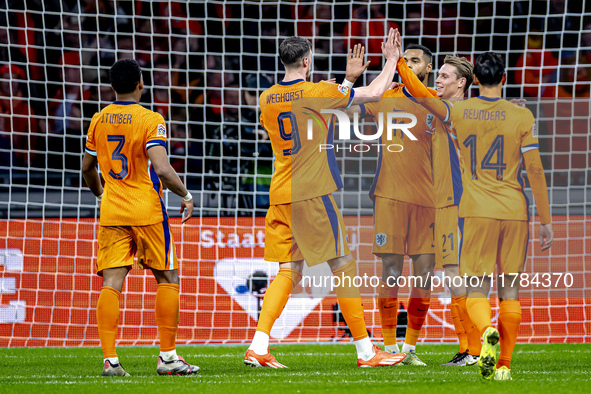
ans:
(120, 136)
(302, 169)
(303, 222)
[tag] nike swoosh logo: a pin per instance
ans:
(422, 310)
(388, 307)
(447, 255)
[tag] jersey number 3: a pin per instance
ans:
(117, 155)
(293, 136)
(496, 149)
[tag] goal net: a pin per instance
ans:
(204, 65)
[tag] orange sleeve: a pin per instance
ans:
(156, 131)
(335, 96)
(421, 93)
(90, 146)
(261, 119)
(537, 181)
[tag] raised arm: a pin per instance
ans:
(375, 90)
(421, 93)
(537, 181)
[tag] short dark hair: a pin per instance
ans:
(294, 49)
(125, 75)
(426, 51)
(489, 68)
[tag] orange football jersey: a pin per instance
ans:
(492, 135)
(120, 136)
(447, 180)
(447, 176)
(406, 175)
(302, 169)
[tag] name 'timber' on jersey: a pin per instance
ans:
(120, 136)
(302, 170)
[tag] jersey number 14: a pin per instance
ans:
(496, 150)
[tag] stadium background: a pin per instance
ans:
(203, 65)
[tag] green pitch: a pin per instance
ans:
(312, 368)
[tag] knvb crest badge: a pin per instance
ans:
(430, 123)
(381, 239)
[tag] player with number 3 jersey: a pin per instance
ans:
(128, 142)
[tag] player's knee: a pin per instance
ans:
(114, 277)
(392, 265)
(508, 292)
(453, 280)
(339, 262)
(171, 276)
(297, 266)
(452, 270)
(423, 265)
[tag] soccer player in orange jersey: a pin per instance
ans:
(404, 208)
(128, 141)
(496, 139)
(303, 221)
(454, 79)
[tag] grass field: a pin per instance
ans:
(319, 368)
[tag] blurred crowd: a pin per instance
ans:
(205, 63)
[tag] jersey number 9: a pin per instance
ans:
(293, 136)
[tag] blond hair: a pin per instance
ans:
(463, 68)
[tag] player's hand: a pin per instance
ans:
(398, 43)
(187, 207)
(393, 85)
(263, 135)
(355, 66)
(546, 236)
(519, 102)
(389, 49)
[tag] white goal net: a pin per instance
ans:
(204, 65)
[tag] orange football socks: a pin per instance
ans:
(388, 307)
(276, 297)
(456, 318)
(509, 321)
(479, 311)
(349, 299)
(167, 315)
(107, 317)
(418, 307)
(472, 333)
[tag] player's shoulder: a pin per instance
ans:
(517, 112)
(321, 85)
(96, 117)
(396, 92)
(147, 115)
